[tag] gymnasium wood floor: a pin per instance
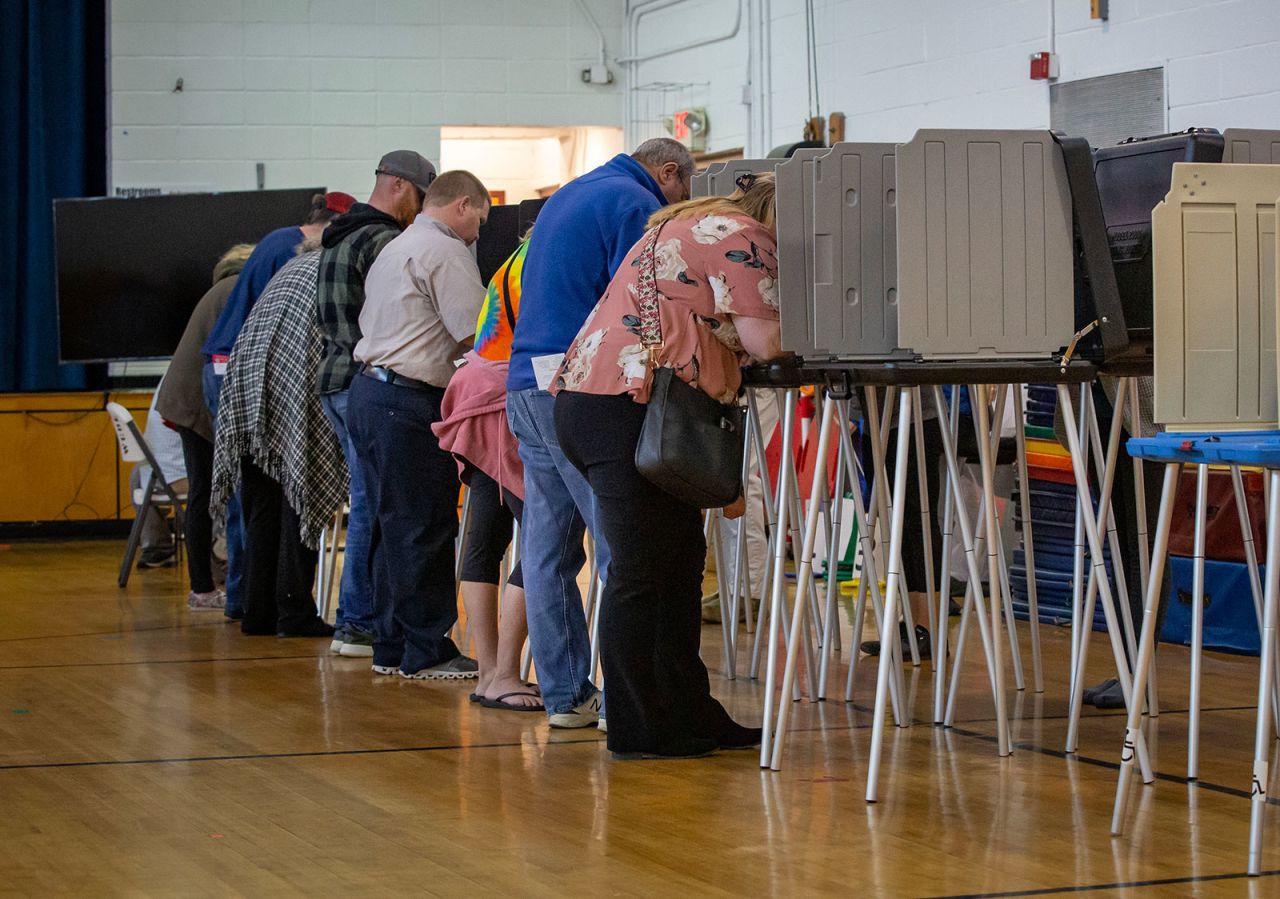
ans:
(145, 750)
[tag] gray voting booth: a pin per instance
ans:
(956, 245)
(1251, 145)
(794, 216)
(718, 179)
(837, 252)
(985, 250)
(722, 177)
(855, 252)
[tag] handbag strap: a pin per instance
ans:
(647, 288)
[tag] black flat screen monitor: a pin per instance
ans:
(501, 234)
(131, 270)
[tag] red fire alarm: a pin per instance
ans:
(1044, 66)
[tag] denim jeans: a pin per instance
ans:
(413, 489)
(557, 504)
(355, 603)
(212, 384)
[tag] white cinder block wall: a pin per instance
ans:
(319, 89)
(896, 66)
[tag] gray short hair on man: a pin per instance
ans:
(658, 151)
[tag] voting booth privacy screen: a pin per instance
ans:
(130, 271)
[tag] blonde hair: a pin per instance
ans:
(232, 261)
(756, 201)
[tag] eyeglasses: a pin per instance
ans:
(745, 181)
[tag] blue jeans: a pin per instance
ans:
(212, 384)
(413, 488)
(557, 505)
(355, 603)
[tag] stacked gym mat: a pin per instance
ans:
(1053, 511)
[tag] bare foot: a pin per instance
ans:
(500, 686)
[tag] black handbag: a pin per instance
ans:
(691, 445)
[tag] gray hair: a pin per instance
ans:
(658, 151)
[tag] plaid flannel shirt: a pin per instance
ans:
(269, 409)
(339, 298)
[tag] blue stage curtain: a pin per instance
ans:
(52, 144)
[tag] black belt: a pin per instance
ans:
(387, 376)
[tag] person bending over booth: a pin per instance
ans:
(583, 234)
(274, 445)
(475, 430)
(350, 245)
(713, 264)
(422, 295)
(180, 402)
(267, 258)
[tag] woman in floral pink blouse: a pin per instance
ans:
(716, 273)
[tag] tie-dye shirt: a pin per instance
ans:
(501, 306)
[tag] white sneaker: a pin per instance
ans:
(601, 726)
(199, 602)
(385, 669)
(586, 714)
(356, 645)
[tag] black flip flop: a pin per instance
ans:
(476, 697)
(501, 703)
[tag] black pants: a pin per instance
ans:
(197, 454)
(278, 569)
(913, 557)
(493, 509)
(413, 491)
(657, 688)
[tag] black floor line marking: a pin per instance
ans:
(959, 731)
(1092, 887)
(119, 633)
(166, 662)
(325, 753)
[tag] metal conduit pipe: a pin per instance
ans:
(590, 17)
(691, 45)
(766, 72)
(634, 15)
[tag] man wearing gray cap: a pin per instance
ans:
(350, 245)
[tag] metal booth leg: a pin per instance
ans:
(974, 599)
(1266, 674)
(1251, 560)
(949, 422)
(1197, 621)
(987, 461)
(831, 611)
(1028, 542)
(1099, 570)
(926, 529)
(779, 585)
(1144, 542)
(1146, 646)
(804, 578)
(882, 506)
(892, 581)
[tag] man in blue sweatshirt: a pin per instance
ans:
(583, 233)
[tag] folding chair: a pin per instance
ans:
(156, 493)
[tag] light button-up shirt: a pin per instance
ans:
(422, 297)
